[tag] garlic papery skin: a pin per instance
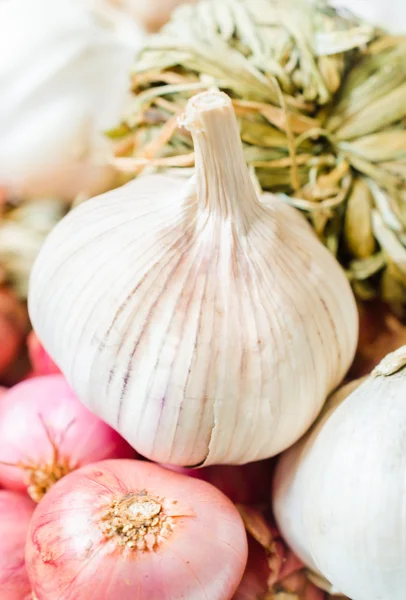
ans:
(205, 326)
(64, 80)
(339, 495)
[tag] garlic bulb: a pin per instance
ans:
(64, 81)
(204, 326)
(339, 494)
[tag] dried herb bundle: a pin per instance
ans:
(321, 100)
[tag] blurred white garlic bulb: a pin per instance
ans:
(387, 14)
(339, 494)
(64, 76)
(204, 326)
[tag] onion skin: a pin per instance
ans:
(13, 327)
(15, 514)
(41, 362)
(254, 582)
(43, 407)
(69, 557)
(272, 567)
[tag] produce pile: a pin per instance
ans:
(203, 369)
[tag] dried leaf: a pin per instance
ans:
(334, 42)
(366, 267)
(377, 115)
(359, 237)
(258, 527)
(321, 582)
(372, 78)
(331, 72)
(265, 535)
(278, 117)
(377, 147)
(389, 242)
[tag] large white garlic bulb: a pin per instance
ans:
(203, 325)
(63, 80)
(340, 495)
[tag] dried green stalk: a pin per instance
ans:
(321, 101)
(22, 232)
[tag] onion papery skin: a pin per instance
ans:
(15, 514)
(42, 409)
(291, 583)
(68, 555)
(254, 582)
(272, 568)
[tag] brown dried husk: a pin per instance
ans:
(321, 101)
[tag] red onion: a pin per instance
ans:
(133, 530)
(15, 515)
(13, 327)
(41, 362)
(245, 484)
(45, 433)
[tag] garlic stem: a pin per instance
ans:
(392, 363)
(223, 183)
